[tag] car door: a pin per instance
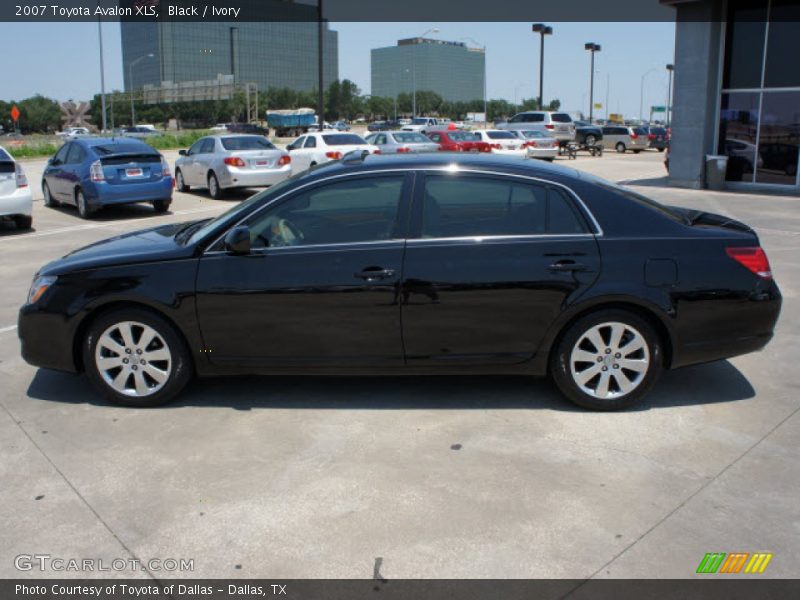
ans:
(311, 151)
(189, 166)
(72, 172)
(320, 285)
(53, 173)
(490, 262)
(202, 160)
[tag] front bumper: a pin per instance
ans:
(249, 177)
(46, 339)
(102, 193)
(18, 203)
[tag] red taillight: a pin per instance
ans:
(233, 161)
(19, 175)
(550, 126)
(634, 136)
(96, 171)
(498, 146)
(403, 150)
(165, 172)
(754, 258)
(376, 151)
(284, 160)
(485, 148)
(333, 155)
(531, 144)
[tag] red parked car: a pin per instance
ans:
(459, 141)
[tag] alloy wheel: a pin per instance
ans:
(609, 360)
(590, 140)
(133, 359)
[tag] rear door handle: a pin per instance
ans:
(562, 266)
(374, 273)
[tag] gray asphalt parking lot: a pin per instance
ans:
(441, 477)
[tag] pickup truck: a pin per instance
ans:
(421, 124)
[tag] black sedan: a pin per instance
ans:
(411, 265)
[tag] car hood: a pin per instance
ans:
(147, 245)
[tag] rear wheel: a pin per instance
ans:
(620, 147)
(607, 360)
(23, 221)
(213, 186)
(49, 201)
(180, 184)
(84, 211)
(135, 358)
(161, 206)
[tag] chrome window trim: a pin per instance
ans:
(446, 169)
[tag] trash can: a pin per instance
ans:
(716, 167)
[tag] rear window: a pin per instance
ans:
(640, 131)
(410, 138)
(658, 130)
(122, 148)
(4, 155)
(247, 143)
(561, 118)
(500, 135)
(343, 139)
(464, 136)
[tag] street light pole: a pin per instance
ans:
(320, 78)
(671, 70)
(414, 72)
(130, 81)
(591, 47)
(641, 94)
(542, 30)
(102, 73)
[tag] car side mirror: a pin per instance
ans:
(237, 240)
(183, 153)
(54, 162)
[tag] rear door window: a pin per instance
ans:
(76, 155)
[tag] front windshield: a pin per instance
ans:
(238, 211)
(419, 121)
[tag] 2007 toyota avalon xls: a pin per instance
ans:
(411, 264)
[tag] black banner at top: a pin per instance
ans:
(336, 10)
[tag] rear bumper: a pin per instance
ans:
(18, 203)
(102, 193)
(542, 152)
(236, 177)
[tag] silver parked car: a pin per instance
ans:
(395, 142)
(221, 162)
(556, 124)
(538, 144)
(624, 137)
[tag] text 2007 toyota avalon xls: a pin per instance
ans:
(411, 265)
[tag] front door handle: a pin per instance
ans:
(374, 273)
(563, 266)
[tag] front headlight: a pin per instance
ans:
(39, 286)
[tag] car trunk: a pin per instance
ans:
(125, 169)
(8, 178)
(422, 147)
(258, 159)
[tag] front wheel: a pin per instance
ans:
(134, 357)
(590, 140)
(180, 184)
(607, 360)
(49, 201)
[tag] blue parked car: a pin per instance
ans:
(95, 172)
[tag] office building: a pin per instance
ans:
(451, 69)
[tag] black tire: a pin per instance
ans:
(180, 185)
(562, 369)
(590, 140)
(661, 149)
(620, 147)
(181, 364)
(84, 210)
(636, 151)
(213, 186)
(23, 222)
(161, 206)
(49, 201)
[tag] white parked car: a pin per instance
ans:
(73, 133)
(317, 148)
(502, 142)
(219, 127)
(16, 200)
(220, 162)
(421, 124)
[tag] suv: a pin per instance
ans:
(624, 137)
(556, 124)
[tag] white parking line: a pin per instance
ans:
(72, 228)
(7, 329)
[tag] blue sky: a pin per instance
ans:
(61, 59)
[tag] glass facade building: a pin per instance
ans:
(451, 69)
(270, 54)
(759, 116)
